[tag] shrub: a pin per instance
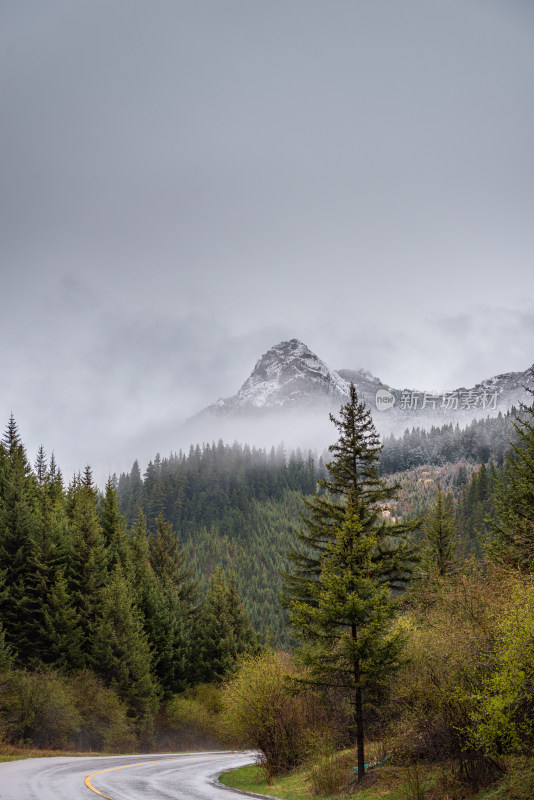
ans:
(262, 710)
(330, 772)
(37, 708)
(451, 647)
(502, 721)
(192, 719)
(105, 725)
(48, 710)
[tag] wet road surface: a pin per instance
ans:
(180, 776)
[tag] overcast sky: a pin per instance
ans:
(184, 184)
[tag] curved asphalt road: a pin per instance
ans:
(180, 776)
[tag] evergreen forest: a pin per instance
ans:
(159, 611)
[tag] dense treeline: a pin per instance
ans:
(441, 673)
(80, 591)
(475, 509)
(481, 441)
(214, 485)
(242, 506)
(469, 489)
(234, 505)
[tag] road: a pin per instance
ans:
(180, 776)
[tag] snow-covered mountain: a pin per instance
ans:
(287, 375)
(291, 390)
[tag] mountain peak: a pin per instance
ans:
(291, 382)
(287, 376)
(286, 373)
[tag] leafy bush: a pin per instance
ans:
(451, 647)
(262, 710)
(502, 721)
(104, 722)
(192, 719)
(37, 708)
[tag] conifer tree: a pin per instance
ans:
(62, 633)
(223, 631)
(440, 536)
(512, 540)
(178, 592)
(114, 530)
(87, 571)
(345, 625)
(18, 532)
(168, 560)
(165, 620)
(50, 555)
(345, 532)
(41, 469)
(55, 480)
(245, 637)
(121, 654)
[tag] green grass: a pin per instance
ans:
(295, 786)
(388, 783)
(518, 784)
(252, 779)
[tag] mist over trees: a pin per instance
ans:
(83, 592)
(153, 605)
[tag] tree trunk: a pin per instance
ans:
(358, 713)
(359, 734)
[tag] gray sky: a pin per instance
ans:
(184, 184)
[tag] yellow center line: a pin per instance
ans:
(140, 764)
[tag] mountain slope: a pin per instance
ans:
(288, 374)
(291, 390)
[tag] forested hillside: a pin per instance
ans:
(469, 487)
(121, 610)
(232, 505)
(141, 584)
(82, 592)
(240, 506)
(479, 442)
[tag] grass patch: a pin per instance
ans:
(424, 782)
(518, 784)
(252, 779)
(296, 785)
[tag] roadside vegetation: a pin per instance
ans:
(453, 716)
(411, 674)
(456, 722)
(101, 625)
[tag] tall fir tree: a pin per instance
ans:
(41, 468)
(120, 650)
(345, 627)
(440, 542)
(223, 630)
(168, 560)
(18, 546)
(345, 521)
(62, 634)
(87, 572)
(512, 531)
(165, 620)
(114, 530)
(179, 593)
